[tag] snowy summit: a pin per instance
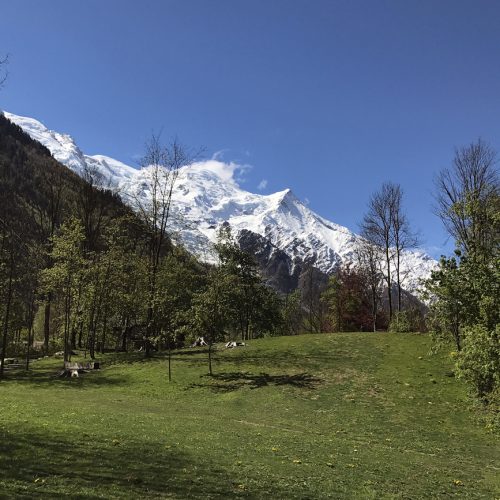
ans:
(207, 194)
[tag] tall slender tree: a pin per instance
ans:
(161, 165)
(377, 228)
(403, 235)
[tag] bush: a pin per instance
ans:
(478, 363)
(400, 322)
(409, 320)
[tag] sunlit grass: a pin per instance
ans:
(315, 416)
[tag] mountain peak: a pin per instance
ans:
(208, 193)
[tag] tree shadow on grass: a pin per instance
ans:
(232, 381)
(48, 377)
(45, 464)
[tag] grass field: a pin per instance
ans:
(314, 416)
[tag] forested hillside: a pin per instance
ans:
(80, 270)
(39, 195)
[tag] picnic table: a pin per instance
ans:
(10, 363)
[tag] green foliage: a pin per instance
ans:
(408, 320)
(41, 199)
(180, 277)
(465, 290)
(401, 322)
(65, 278)
(346, 301)
(241, 302)
(444, 290)
(292, 314)
(211, 308)
(479, 361)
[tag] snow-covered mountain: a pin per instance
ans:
(207, 194)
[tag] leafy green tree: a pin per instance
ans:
(161, 164)
(267, 316)
(242, 282)
(252, 307)
(346, 300)
(210, 310)
(479, 360)
(465, 290)
(312, 284)
(65, 277)
(292, 313)
(8, 273)
(180, 277)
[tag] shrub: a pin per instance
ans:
(479, 361)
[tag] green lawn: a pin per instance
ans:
(314, 416)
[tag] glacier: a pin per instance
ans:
(207, 194)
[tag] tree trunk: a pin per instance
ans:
(149, 324)
(73, 338)
(104, 326)
(124, 334)
(92, 342)
(389, 280)
(210, 359)
(67, 310)
(7, 316)
(80, 333)
(374, 310)
(147, 345)
(30, 332)
(28, 346)
(169, 360)
(398, 277)
(46, 322)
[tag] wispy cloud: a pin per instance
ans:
(262, 185)
(219, 155)
(435, 251)
(240, 173)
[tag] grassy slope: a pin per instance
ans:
(319, 416)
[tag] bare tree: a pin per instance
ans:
(377, 228)
(3, 71)
(161, 164)
(403, 236)
(465, 195)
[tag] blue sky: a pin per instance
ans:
(329, 98)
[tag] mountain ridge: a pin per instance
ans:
(208, 194)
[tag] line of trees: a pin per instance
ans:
(388, 235)
(368, 292)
